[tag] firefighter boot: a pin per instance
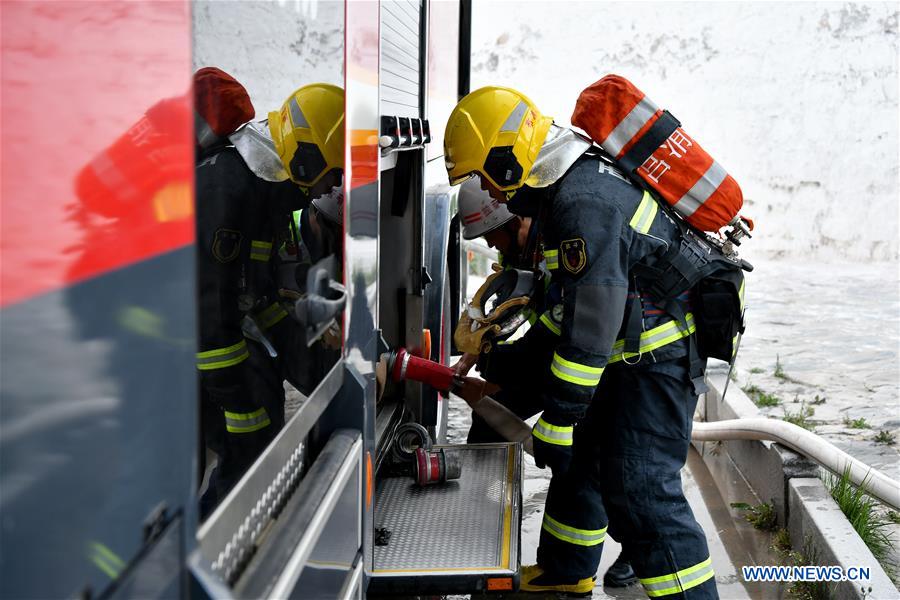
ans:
(620, 574)
(534, 579)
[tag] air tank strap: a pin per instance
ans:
(644, 148)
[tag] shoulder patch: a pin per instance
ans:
(226, 245)
(574, 255)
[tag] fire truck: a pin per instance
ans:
(101, 459)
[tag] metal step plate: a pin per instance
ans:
(456, 536)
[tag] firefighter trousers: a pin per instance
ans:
(628, 452)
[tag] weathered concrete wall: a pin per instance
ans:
(272, 48)
(797, 100)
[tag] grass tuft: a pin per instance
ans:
(884, 437)
(760, 397)
(757, 370)
(801, 417)
(859, 423)
(817, 400)
(762, 516)
(781, 542)
(861, 510)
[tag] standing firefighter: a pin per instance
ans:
(617, 464)
(241, 206)
(238, 392)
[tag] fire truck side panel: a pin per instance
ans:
(98, 420)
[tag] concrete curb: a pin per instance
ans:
(791, 482)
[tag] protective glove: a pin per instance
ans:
(552, 439)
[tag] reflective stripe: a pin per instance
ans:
(741, 292)
(702, 190)
(105, 559)
(552, 258)
(514, 118)
(271, 315)
(572, 535)
(297, 117)
(260, 250)
(246, 422)
(575, 373)
(629, 126)
(655, 338)
(548, 322)
(220, 358)
(553, 434)
(681, 581)
(645, 213)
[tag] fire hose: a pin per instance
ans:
(514, 429)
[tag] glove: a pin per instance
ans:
(552, 440)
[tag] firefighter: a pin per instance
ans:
(239, 312)
(483, 216)
(504, 366)
(308, 133)
(617, 465)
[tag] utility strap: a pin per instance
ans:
(664, 126)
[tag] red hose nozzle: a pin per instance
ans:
(405, 366)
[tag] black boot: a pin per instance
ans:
(620, 574)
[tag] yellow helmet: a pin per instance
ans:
(497, 132)
(308, 132)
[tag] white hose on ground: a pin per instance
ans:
(876, 483)
(806, 443)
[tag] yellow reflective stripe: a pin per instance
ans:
(260, 250)
(246, 422)
(655, 338)
(552, 258)
(105, 559)
(219, 358)
(683, 580)
(741, 292)
(572, 535)
(574, 372)
(271, 315)
(548, 322)
(558, 435)
(644, 215)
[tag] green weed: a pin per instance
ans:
(893, 516)
(884, 437)
(817, 400)
(860, 510)
(781, 542)
(762, 516)
(859, 423)
(780, 374)
(760, 397)
(757, 370)
(801, 417)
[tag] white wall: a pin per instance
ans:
(797, 100)
(271, 47)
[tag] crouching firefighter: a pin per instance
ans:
(626, 372)
(513, 369)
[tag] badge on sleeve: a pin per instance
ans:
(574, 255)
(226, 245)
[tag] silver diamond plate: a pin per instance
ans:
(450, 526)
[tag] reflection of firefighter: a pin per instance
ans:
(240, 396)
(625, 454)
(522, 366)
(308, 134)
(247, 243)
